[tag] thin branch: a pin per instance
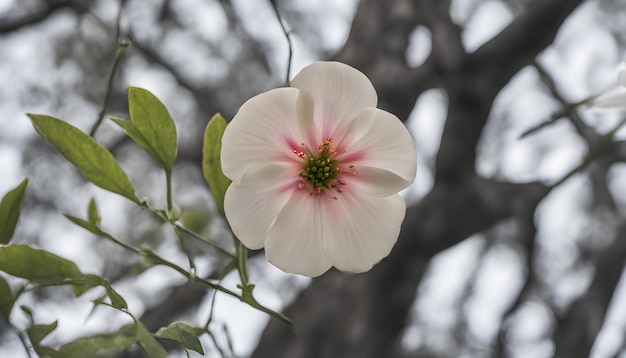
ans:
(577, 329)
(155, 57)
(121, 48)
(288, 37)
(122, 45)
(603, 143)
(35, 17)
(569, 110)
(204, 239)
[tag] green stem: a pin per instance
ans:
(168, 179)
(21, 335)
(217, 287)
(242, 262)
(122, 244)
(211, 310)
(185, 246)
(121, 48)
(122, 45)
(207, 240)
(155, 259)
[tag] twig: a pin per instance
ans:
(603, 142)
(282, 26)
(568, 110)
(122, 45)
(34, 17)
(204, 239)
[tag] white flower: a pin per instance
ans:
(616, 97)
(316, 171)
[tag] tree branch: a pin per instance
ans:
(577, 329)
(48, 8)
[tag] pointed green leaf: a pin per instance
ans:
(28, 312)
(6, 298)
(85, 282)
(103, 345)
(184, 334)
(148, 344)
(91, 227)
(38, 332)
(117, 300)
(92, 212)
(37, 266)
(151, 126)
(10, 207)
(211, 163)
(93, 160)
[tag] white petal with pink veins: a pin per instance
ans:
(253, 206)
(295, 242)
(360, 230)
(376, 181)
(339, 92)
(386, 146)
(263, 131)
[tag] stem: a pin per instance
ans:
(282, 26)
(209, 241)
(122, 244)
(168, 179)
(604, 141)
(121, 48)
(122, 45)
(183, 244)
(242, 263)
(20, 335)
(212, 308)
(217, 287)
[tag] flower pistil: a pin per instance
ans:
(321, 170)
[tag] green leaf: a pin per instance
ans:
(10, 207)
(38, 332)
(148, 344)
(39, 266)
(117, 300)
(89, 226)
(93, 160)
(92, 212)
(211, 163)
(151, 126)
(102, 345)
(6, 298)
(28, 312)
(184, 334)
(85, 282)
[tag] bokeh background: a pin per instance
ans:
(503, 252)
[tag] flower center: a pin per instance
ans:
(322, 169)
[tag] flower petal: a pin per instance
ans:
(339, 92)
(294, 244)
(360, 230)
(253, 206)
(615, 97)
(384, 158)
(376, 181)
(264, 130)
(621, 77)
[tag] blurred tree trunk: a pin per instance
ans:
(364, 315)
